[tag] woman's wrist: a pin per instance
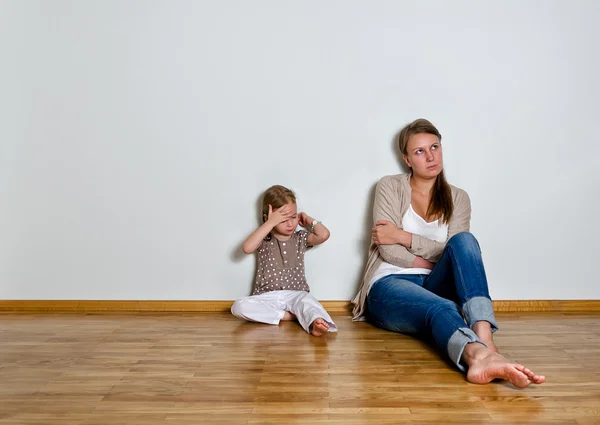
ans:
(404, 238)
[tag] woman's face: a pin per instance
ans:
(424, 155)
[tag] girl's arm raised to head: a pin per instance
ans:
(319, 234)
(275, 217)
(255, 239)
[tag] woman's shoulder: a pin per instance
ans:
(460, 196)
(394, 180)
(397, 178)
(457, 190)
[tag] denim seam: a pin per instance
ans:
(458, 269)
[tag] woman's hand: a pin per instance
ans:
(385, 233)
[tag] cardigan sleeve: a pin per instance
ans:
(387, 207)
(460, 222)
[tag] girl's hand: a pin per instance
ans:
(304, 220)
(280, 214)
(385, 233)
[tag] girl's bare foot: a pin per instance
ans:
(319, 327)
(486, 365)
(483, 330)
(288, 316)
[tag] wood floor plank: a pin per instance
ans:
(211, 368)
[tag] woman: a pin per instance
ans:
(425, 275)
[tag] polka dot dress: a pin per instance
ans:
(281, 264)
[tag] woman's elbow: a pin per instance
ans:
(383, 253)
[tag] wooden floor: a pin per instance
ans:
(211, 368)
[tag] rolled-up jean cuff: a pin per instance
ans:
(457, 343)
(477, 309)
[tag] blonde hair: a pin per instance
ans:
(277, 196)
(441, 204)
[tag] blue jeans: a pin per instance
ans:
(443, 304)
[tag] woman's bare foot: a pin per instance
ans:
(486, 365)
(483, 330)
(319, 327)
(288, 316)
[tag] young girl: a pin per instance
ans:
(281, 290)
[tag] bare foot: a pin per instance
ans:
(486, 365)
(319, 327)
(483, 330)
(491, 345)
(535, 379)
(288, 316)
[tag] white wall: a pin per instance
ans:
(137, 136)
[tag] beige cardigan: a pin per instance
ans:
(392, 199)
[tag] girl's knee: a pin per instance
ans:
(304, 298)
(237, 308)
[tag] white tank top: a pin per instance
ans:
(413, 223)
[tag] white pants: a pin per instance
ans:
(270, 308)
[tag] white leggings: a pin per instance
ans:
(270, 308)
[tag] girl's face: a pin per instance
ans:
(286, 228)
(424, 155)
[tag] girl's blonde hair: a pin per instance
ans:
(277, 196)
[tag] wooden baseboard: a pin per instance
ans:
(109, 306)
(113, 306)
(547, 305)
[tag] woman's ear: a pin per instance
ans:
(406, 160)
(265, 218)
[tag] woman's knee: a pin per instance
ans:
(444, 307)
(464, 241)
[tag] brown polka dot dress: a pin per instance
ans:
(281, 264)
